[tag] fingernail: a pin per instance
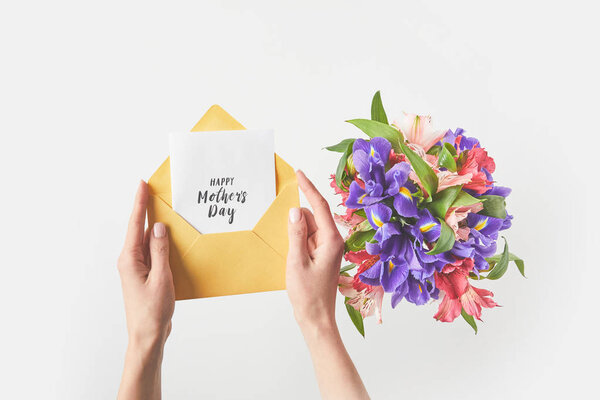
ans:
(294, 215)
(159, 230)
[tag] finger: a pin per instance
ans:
(297, 236)
(146, 244)
(159, 250)
(317, 202)
(311, 224)
(135, 231)
(312, 230)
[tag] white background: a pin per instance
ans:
(88, 92)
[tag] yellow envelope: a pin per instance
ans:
(219, 264)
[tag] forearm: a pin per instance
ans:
(142, 371)
(336, 373)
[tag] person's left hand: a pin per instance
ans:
(146, 278)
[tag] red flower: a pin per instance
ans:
(396, 158)
(477, 158)
(458, 292)
(364, 261)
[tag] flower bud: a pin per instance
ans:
(350, 165)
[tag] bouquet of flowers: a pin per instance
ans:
(423, 214)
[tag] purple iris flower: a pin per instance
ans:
(464, 142)
(483, 227)
(377, 150)
(507, 222)
(427, 227)
(415, 291)
(479, 263)
(429, 263)
(369, 159)
(480, 244)
(389, 274)
(379, 216)
(397, 258)
(499, 191)
(391, 269)
(401, 189)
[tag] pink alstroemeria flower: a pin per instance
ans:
(455, 215)
(458, 292)
(349, 219)
(337, 190)
(358, 257)
(445, 178)
(418, 130)
(448, 178)
(367, 301)
(365, 298)
(475, 298)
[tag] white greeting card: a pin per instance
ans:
(222, 181)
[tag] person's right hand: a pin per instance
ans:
(314, 256)
(312, 274)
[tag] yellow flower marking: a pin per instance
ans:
(391, 266)
(405, 192)
(361, 198)
(427, 227)
(376, 219)
(481, 225)
(372, 151)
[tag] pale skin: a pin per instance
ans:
(315, 252)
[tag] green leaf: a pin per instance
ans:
(357, 240)
(443, 200)
(470, 320)
(341, 146)
(519, 263)
(450, 148)
(493, 260)
(363, 226)
(446, 159)
(378, 129)
(500, 268)
(425, 173)
(493, 206)
(360, 212)
(445, 241)
(355, 317)
(377, 110)
(464, 199)
(434, 150)
(347, 268)
(342, 164)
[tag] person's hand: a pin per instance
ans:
(146, 276)
(149, 298)
(312, 274)
(314, 256)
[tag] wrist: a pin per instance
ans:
(319, 329)
(147, 348)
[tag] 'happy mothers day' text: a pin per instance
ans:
(220, 197)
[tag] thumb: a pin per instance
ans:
(297, 235)
(159, 249)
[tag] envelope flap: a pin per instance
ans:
(272, 227)
(284, 174)
(217, 119)
(213, 269)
